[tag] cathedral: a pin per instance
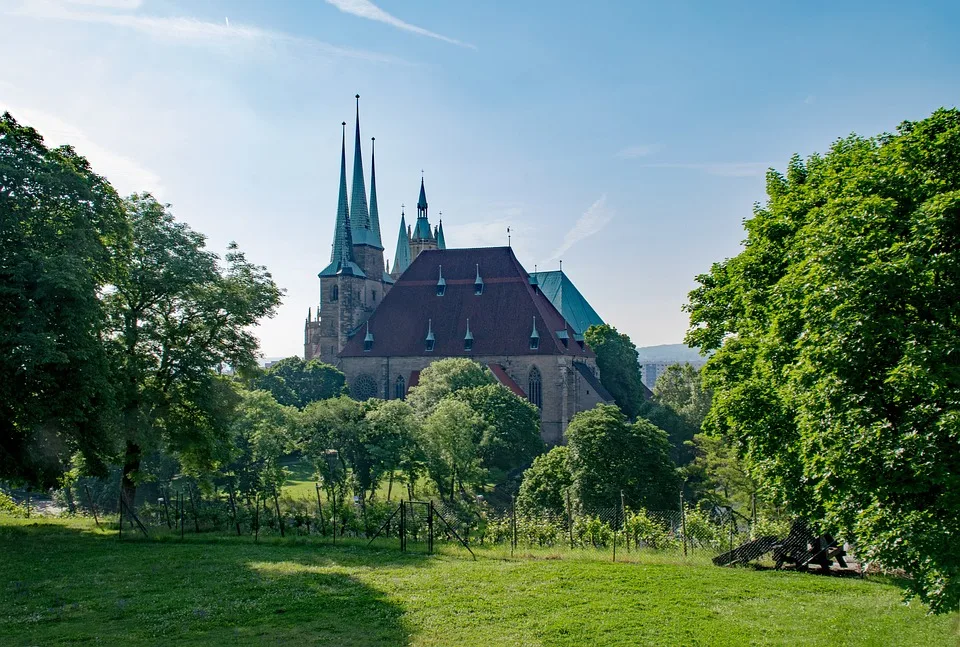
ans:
(381, 326)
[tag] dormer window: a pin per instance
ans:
(564, 338)
(468, 338)
(534, 336)
(368, 340)
(441, 284)
(478, 283)
(431, 340)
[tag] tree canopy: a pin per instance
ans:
(442, 378)
(619, 368)
(511, 436)
(63, 233)
(295, 382)
(836, 332)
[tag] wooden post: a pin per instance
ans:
(513, 524)
(323, 524)
(333, 491)
(403, 526)
(233, 508)
(193, 507)
(276, 502)
(683, 524)
(256, 518)
(183, 513)
(430, 529)
(120, 513)
(623, 520)
(93, 507)
(569, 518)
(166, 507)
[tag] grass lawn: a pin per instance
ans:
(65, 582)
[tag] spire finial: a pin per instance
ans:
(508, 238)
(561, 264)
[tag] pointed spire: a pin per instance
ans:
(422, 202)
(309, 313)
(374, 212)
(343, 236)
(401, 258)
(421, 230)
(478, 282)
(469, 334)
(441, 243)
(441, 284)
(359, 216)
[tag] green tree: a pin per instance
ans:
(619, 367)
(546, 484)
(391, 441)
(63, 232)
(680, 387)
(264, 431)
(294, 382)
(176, 315)
(442, 378)
(511, 435)
(608, 454)
(718, 475)
(332, 430)
(448, 440)
(836, 331)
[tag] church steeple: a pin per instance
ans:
(421, 230)
(401, 259)
(341, 256)
(441, 243)
(374, 212)
(359, 216)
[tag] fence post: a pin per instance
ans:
(403, 526)
(513, 524)
(623, 520)
(233, 509)
(180, 512)
(119, 513)
(616, 513)
(430, 528)
(569, 518)
(334, 519)
(93, 507)
(323, 524)
(276, 503)
(256, 518)
(683, 524)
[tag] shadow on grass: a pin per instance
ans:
(66, 584)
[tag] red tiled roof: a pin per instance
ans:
(501, 319)
(501, 374)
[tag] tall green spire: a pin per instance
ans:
(401, 259)
(341, 256)
(374, 212)
(422, 202)
(421, 229)
(359, 216)
(441, 243)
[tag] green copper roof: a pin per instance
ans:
(566, 298)
(441, 243)
(359, 216)
(341, 256)
(374, 212)
(422, 202)
(421, 230)
(401, 259)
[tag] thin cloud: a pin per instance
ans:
(592, 221)
(109, 4)
(126, 174)
(721, 169)
(191, 30)
(641, 150)
(370, 11)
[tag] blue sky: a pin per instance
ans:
(628, 139)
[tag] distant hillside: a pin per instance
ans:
(669, 354)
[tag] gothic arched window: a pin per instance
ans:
(334, 293)
(535, 388)
(400, 388)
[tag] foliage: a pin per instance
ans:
(175, 316)
(331, 433)
(546, 484)
(836, 334)
(701, 531)
(448, 439)
(720, 475)
(619, 368)
(294, 382)
(62, 235)
(642, 529)
(591, 530)
(11, 508)
(443, 377)
(390, 441)
(680, 387)
(511, 436)
(607, 455)
(678, 430)
(264, 431)
(770, 526)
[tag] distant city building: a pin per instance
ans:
(649, 372)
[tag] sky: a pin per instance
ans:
(627, 139)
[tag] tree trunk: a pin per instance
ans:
(390, 486)
(131, 465)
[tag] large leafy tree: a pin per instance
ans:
(680, 387)
(442, 378)
(546, 483)
(63, 233)
(295, 382)
(511, 435)
(448, 437)
(619, 367)
(837, 328)
(608, 454)
(263, 432)
(176, 315)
